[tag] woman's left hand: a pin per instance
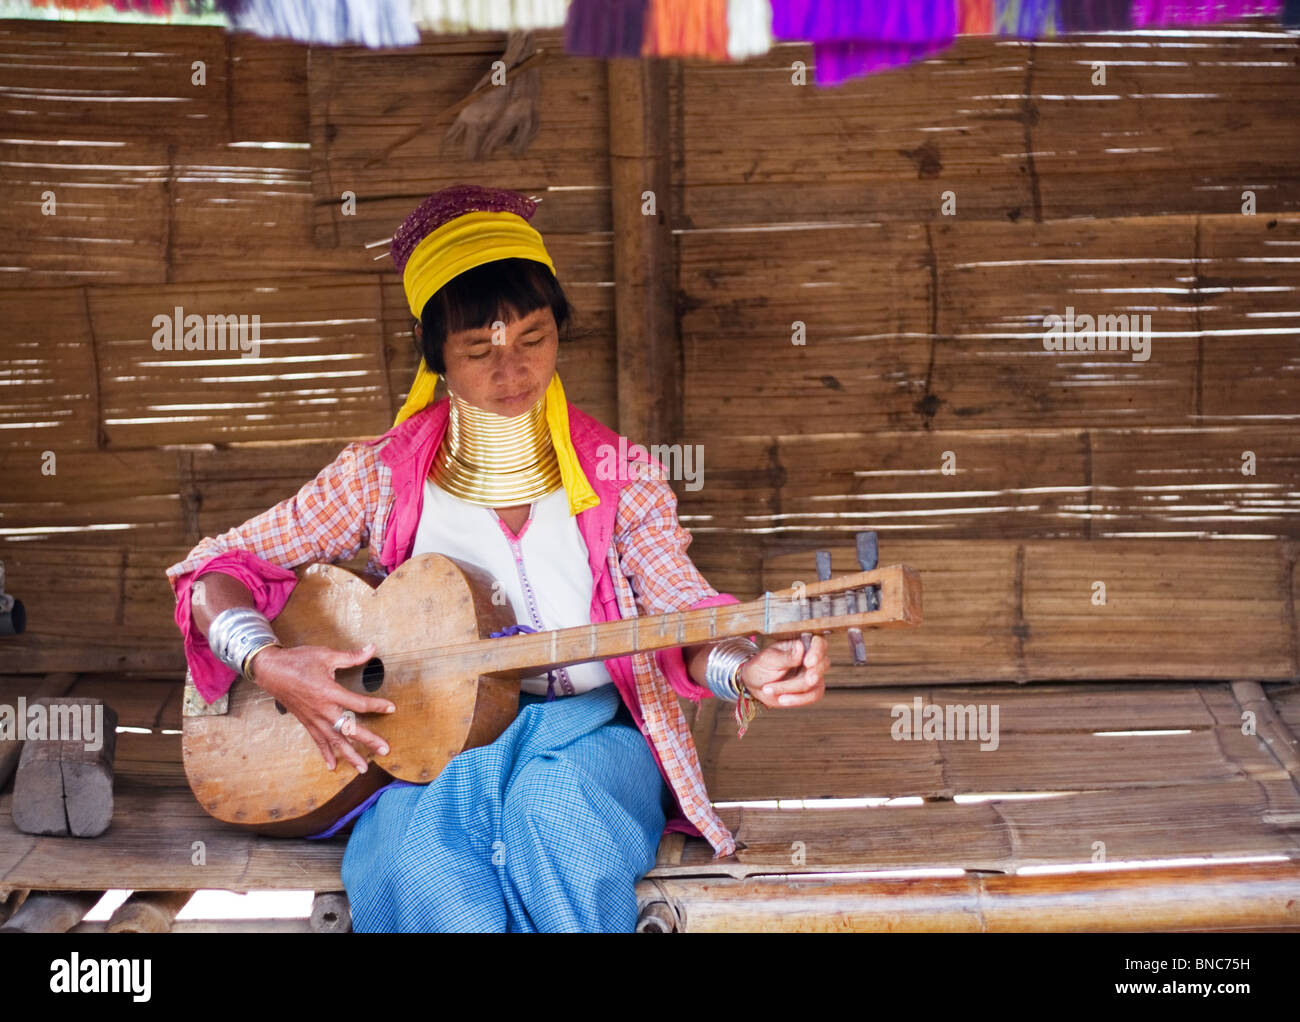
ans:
(783, 675)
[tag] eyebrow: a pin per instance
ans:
(484, 333)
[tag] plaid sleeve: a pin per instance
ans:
(651, 547)
(326, 520)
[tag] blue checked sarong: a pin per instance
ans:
(546, 829)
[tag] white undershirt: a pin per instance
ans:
(545, 573)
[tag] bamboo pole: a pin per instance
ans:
(648, 341)
(51, 911)
(1270, 728)
(10, 903)
(1228, 896)
(331, 913)
(148, 912)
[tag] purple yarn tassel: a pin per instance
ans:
(605, 28)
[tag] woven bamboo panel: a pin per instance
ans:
(1184, 122)
(1048, 738)
(1250, 319)
(976, 483)
(136, 211)
(755, 148)
(363, 102)
(50, 400)
(100, 497)
(320, 371)
(1014, 129)
(96, 608)
(864, 295)
(999, 610)
(909, 326)
(92, 80)
(109, 218)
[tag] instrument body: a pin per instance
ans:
(257, 766)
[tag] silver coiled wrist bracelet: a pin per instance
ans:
(236, 634)
(722, 668)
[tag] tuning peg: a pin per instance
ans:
(868, 550)
(823, 602)
(823, 565)
(868, 556)
(868, 559)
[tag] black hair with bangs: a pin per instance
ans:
(504, 289)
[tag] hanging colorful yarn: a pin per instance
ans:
(851, 39)
(1198, 12)
(749, 28)
(686, 28)
(975, 17)
(373, 23)
(1027, 19)
(1096, 15)
(605, 28)
(488, 15)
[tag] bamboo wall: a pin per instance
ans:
(787, 204)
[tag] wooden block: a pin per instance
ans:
(51, 685)
(64, 784)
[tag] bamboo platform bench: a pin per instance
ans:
(1127, 750)
(1060, 794)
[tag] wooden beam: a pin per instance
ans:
(218, 926)
(645, 274)
(1176, 898)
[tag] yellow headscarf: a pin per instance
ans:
(470, 240)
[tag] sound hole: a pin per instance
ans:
(372, 675)
(279, 708)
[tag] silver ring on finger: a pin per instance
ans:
(347, 723)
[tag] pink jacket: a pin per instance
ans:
(373, 493)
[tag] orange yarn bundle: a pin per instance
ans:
(686, 28)
(974, 17)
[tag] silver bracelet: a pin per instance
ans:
(237, 633)
(722, 668)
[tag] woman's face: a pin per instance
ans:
(505, 371)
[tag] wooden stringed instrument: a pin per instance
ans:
(252, 764)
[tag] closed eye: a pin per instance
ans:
(527, 344)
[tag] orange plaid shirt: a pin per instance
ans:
(370, 496)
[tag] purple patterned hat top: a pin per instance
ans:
(446, 205)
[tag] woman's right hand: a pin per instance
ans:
(301, 679)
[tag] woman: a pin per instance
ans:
(550, 826)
